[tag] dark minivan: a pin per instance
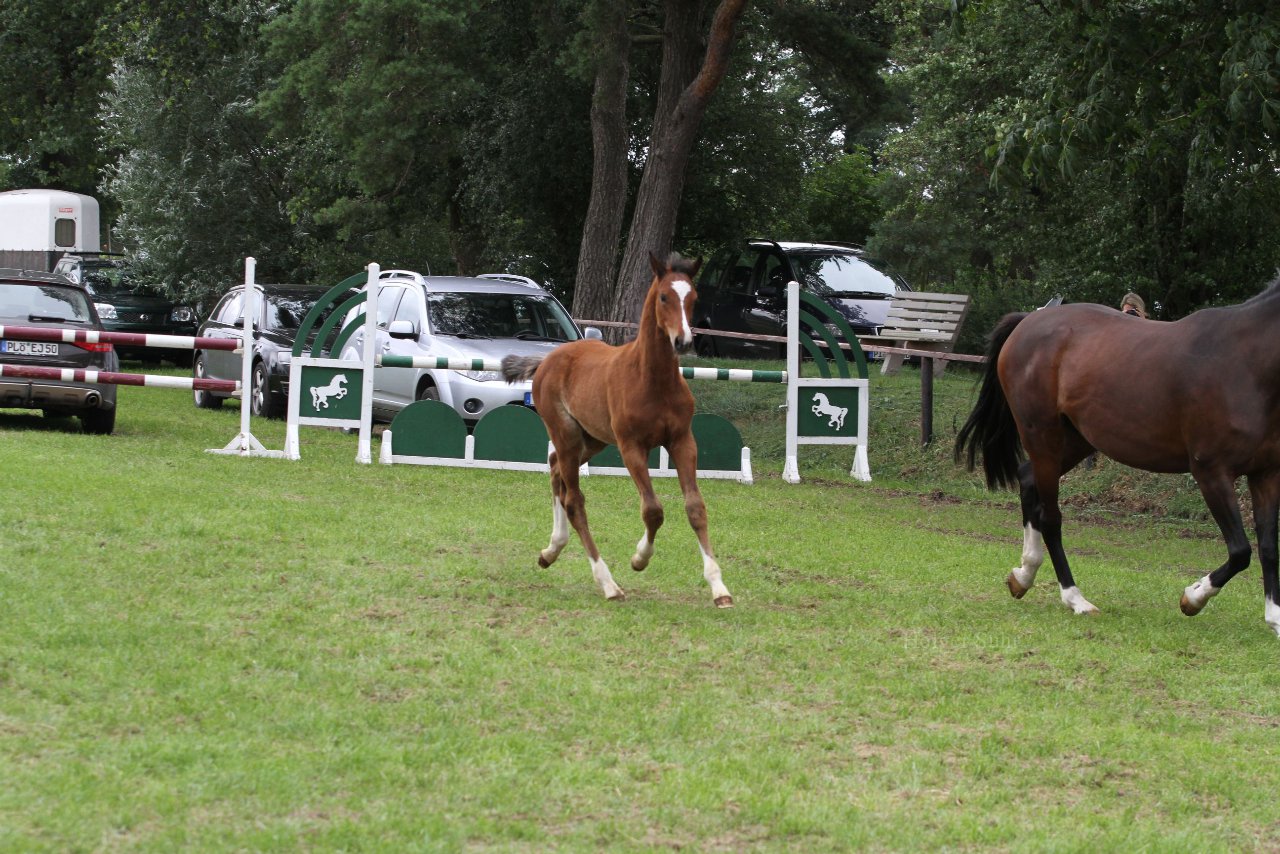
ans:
(744, 290)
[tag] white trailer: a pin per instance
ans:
(37, 227)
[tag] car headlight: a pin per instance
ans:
(182, 314)
(106, 311)
(482, 376)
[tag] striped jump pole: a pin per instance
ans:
(446, 363)
(77, 375)
(127, 339)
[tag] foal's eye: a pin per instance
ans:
(662, 298)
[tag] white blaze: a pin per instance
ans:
(682, 290)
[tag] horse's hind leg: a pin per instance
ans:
(684, 456)
(1046, 470)
(559, 519)
(1219, 493)
(575, 510)
(1024, 575)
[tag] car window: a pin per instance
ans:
(230, 311)
(32, 302)
(411, 310)
(481, 315)
(388, 297)
(772, 279)
(839, 273)
(285, 311)
(714, 271)
(738, 276)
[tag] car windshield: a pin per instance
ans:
(285, 311)
(110, 279)
(840, 274)
(480, 315)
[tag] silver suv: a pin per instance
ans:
(486, 317)
(52, 301)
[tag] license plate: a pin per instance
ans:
(528, 398)
(29, 348)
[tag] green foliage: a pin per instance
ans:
(52, 75)
(1089, 148)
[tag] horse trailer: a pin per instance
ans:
(37, 227)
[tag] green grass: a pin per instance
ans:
(213, 653)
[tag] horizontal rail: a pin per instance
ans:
(77, 375)
(781, 339)
(128, 339)
(445, 363)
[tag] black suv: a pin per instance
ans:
(127, 305)
(50, 301)
(744, 289)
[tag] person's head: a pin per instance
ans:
(1133, 304)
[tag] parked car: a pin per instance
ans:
(50, 300)
(275, 331)
(126, 304)
(743, 289)
(486, 317)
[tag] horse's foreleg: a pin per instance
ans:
(1220, 496)
(637, 462)
(684, 456)
(1266, 506)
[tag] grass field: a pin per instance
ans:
(211, 653)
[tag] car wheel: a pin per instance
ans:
(428, 391)
(705, 346)
(98, 421)
(262, 402)
(204, 399)
(181, 359)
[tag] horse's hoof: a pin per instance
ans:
(1015, 587)
(617, 597)
(543, 562)
(724, 601)
(638, 565)
(1188, 608)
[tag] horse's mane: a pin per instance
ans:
(680, 264)
(1272, 288)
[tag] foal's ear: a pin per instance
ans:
(697, 265)
(659, 268)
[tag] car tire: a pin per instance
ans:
(100, 422)
(428, 391)
(204, 399)
(705, 346)
(262, 402)
(181, 359)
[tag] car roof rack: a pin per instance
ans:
(511, 277)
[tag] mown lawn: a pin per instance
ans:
(214, 653)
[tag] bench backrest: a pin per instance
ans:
(927, 317)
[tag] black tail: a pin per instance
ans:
(517, 368)
(991, 426)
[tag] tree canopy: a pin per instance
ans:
(1011, 150)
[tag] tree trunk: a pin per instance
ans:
(683, 95)
(597, 255)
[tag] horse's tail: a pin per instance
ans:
(991, 426)
(518, 368)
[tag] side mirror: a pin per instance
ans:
(593, 333)
(402, 329)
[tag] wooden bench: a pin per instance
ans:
(920, 321)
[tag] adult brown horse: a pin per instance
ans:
(1199, 395)
(590, 395)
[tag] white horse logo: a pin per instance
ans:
(337, 388)
(821, 406)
